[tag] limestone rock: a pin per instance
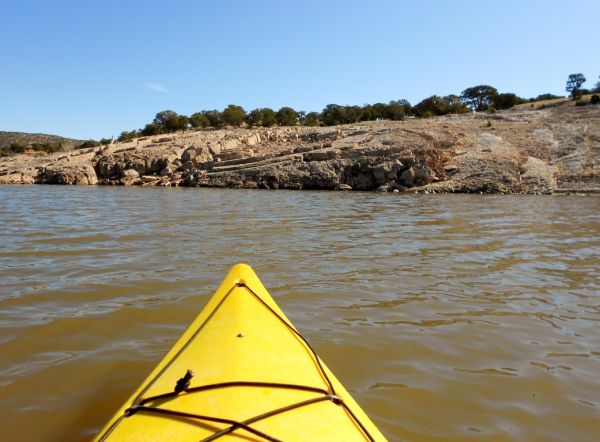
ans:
(84, 174)
(214, 149)
(23, 176)
(321, 155)
(131, 173)
(149, 179)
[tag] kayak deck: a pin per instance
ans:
(255, 378)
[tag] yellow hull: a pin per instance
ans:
(254, 379)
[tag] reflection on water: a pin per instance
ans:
(447, 317)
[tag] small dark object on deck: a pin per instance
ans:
(184, 383)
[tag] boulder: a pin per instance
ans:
(197, 155)
(203, 156)
(131, 173)
(387, 171)
(188, 154)
(166, 171)
(407, 177)
(253, 139)
(73, 175)
(214, 149)
(230, 144)
(112, 167)
(149, 179)
(188, 165)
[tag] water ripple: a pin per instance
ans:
(480, 311)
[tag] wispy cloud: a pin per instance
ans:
(156, 87)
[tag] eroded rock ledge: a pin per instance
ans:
(517, 151)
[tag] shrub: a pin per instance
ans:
(16, 147)
(546, 97)
(128, 136)
(87, 144)
(580, 102)
(595, 99)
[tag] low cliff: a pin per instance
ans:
(555, 150)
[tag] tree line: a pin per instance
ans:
(473, 99)
(20, 147)
(477, 98)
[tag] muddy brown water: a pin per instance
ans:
(447, 317)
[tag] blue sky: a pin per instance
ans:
(90, 69)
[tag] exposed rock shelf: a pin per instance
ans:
(517, 151)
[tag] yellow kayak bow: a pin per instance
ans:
(241, 372)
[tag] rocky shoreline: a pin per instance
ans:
(555, 150)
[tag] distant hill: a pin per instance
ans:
(6, 138)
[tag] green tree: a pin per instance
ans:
(333, 114)
(574, 83)
(312, 119)
(506, 101)
(405, 105)
(436, 105)
(234, 115)
(452, 104)
(215, 118)
(597, 86)
(545, 97)
(395, 111)
(366, 113)
(269, 117)
(301, 117)
(149, 129)
(286, 116)
(351, 114)
(161, 118)
(199, 120)
(179, 122)
(379, 111)
(254, 118)
(170, 121)
(478, 98)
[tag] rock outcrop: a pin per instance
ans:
(74, 175)
(517, 151)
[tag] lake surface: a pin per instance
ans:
(448, 317)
